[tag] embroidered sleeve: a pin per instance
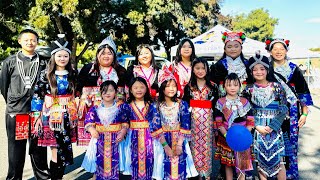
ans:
(124, 115)
(301, 87)
(305, 99)
(90, 118)
(250, 117)
(41, 89)
(155, 125)
(185, 120)
(276, 123)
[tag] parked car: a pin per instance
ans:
(159, 61)
(44, 51)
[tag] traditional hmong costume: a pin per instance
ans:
(19, 75)
(89, 80)
(293, 77)
(108, 122)
(229, 113)
(59, 118)
(173, 122)
(269, 109)
(182, 74)
(149, 74)
(138, 146)
(227, 65)
(59, 114)
(201, 101)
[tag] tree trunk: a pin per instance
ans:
(74, 60)
(83, 51)
(58, 23)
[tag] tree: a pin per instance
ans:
(12, 16)
(131, 22)
(257, 24)
(169, 21)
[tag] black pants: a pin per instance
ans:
(17, 154)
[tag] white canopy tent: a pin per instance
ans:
(210, 44)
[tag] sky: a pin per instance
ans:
(299, 20)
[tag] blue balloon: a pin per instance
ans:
(239, 138)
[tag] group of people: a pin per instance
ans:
(154, 122)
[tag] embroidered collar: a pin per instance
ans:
(236, 66)
(107, 114)
(283, 69)
(233, 108)
(263, 96)
(61, 73)
(29, 77)
(110, 75)
(138, 72)
(170, 115)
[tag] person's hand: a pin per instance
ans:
(168, 151)
(37, 125)
(222, 130)
(268, 129)
(178, 150)
(262, 130)
(120, 136)
(302, 121)
(77, 101)
(94, 133)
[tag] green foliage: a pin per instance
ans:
(130, 22)
(315, 49)
(257, 24)
(168, 21)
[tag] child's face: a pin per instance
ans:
(233, 49)
(232, 87)
(171, 89)
(145, 57)
(61, 58)
(199, 70)
(186, 50)
(105, 57)
(259, 72)
(138, 90)
(109, 94)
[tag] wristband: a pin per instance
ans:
(305, 114)
(164, 144)
(225, 135)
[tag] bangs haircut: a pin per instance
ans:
(231, 77)
(105, 86)
(147, 96)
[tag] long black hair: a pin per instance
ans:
(139, 49)
(193, 79)
(161, 97)
(115, 64)
(72, 75)
(178, 57)
(147, 96)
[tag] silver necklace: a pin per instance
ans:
(29, 77)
